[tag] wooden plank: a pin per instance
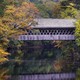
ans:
(46, 37)
(57, 76)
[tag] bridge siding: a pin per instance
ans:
(46, 37)
(61, 76)
(51, 29)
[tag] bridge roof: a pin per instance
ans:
(55, 23)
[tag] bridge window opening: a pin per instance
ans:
(56, 31)
(60, 32)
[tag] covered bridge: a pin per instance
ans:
(51, 29)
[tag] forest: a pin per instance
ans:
(27, 57)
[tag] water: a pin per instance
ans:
(34, 60)
(28, 62)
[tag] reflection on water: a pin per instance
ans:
(29, 61)
(3, 73)
(33, 60)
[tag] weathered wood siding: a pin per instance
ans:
(61, 76)
(46, 37)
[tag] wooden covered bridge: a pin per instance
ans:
(51, 29)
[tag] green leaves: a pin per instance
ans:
(77, 32)
(69, 12)
(78, 74)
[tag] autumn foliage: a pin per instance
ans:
(16, 21)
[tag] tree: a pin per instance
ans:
(2, 6)
(53, 9)
(69, 11)
(49, 9)
(16, 21)
(77, 32)
(69, 56)
(43, 11)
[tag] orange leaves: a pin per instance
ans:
(30, 6)
(22, 16)
(58, 65)
(26, 10)
(3, 53)
(10, 9)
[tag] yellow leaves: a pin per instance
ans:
(26, 10)
(24, 4)
(22, 23)
(77, 28)
(7, 21)
(4, 41)
(4, 29)
(77, 32)
(29, 7)
(69, 12)
(10, 9)
(1, 25)
(15, 22)
(3, 55)
(3, 59)
(72, 4)
(19, 14)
